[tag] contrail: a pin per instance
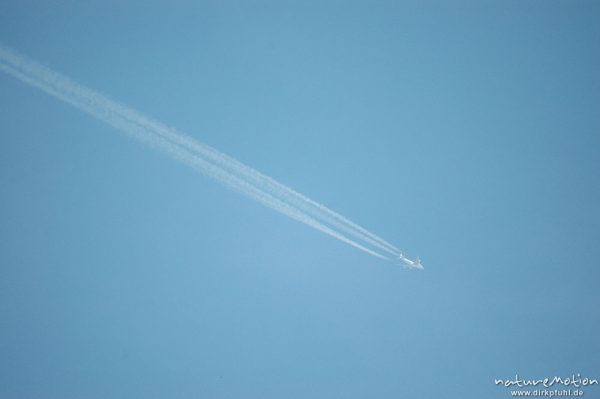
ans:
(199, 156)
(79, 94)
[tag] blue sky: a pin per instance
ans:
(465, 134)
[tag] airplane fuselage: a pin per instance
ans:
(410, 264)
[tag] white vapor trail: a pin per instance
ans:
(199, 156)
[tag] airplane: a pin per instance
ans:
(410, 264)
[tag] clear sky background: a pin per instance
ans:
(467, 134)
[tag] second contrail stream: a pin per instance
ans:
(199, 156)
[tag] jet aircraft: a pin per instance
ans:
(410, 264)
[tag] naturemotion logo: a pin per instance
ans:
(569, 386)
